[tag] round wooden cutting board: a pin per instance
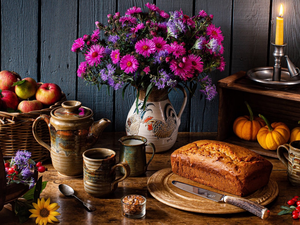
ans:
(161, 188)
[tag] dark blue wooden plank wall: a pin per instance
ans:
(37, 35)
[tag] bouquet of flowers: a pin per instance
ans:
(152, 49)
(21, 168)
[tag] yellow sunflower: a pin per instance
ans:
(44, 212)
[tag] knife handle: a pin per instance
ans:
(248, 205)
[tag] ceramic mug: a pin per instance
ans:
(291, 161)
(133, 151)
(99, 169)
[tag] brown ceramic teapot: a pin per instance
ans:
(72, 131)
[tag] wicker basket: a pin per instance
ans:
(16, 133)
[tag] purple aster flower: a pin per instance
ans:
(145, 47)
(213, 45)
(210, 91)
(110, 69)
(107, 50)
(103, 75)
(26, 173)
(160, 55)
(199, 43)
(128, 19)
(113, 38)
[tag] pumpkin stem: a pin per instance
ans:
(270, 128)
(299, 122)
(250, 111)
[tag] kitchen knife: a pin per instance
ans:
(246, 204)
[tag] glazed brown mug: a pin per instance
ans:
(99, 171)
(291, 160)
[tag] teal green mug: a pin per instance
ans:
(133, 152)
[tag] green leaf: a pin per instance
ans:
(19, 82)
(148, 92)
(22, 210)
(29, 195)
(285, 207)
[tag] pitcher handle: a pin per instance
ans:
(126, 169)
(183, 103)
(153, 153)
(280, 154)
(46, 118)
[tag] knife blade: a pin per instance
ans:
(243, 203)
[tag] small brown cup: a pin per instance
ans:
(99, 166)
(291, 160)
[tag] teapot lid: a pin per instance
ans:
(72, 110)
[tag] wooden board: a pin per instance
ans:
(251, 145)
(161, 188)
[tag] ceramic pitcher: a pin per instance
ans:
(157, 122)
(72, 131)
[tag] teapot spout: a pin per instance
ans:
(96, 129)
(294, 71)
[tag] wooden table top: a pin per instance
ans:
(109, 209)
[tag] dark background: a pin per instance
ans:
(37, 35)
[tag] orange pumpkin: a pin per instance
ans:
(271, 136)
(247, 127)
(295, 134)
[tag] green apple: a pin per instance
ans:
(25, 88)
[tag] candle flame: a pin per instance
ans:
(281, 11)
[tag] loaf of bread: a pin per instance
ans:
(226, 167)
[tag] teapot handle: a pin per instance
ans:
(46, 118)
(183, 103)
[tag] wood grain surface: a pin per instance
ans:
(109, 208)
(36, 38)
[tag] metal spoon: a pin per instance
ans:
(68, 191)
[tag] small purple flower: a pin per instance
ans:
(103, 75)
(199, 43)
(110, 69)
(113, 38)
(26, 173)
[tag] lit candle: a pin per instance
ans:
(279, 28)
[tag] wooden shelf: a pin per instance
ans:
(275, 105)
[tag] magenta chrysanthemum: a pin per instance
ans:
(145, 47)
(222, 64)
(215, 33)
(202, 13)
(163, 14)
(160, 43)
(133, 10)
(152, 7)
(93, 57)
(115, 56)
(78, 44)
(81, 69)
(95, 36)
(146, 69)
(182, 69)
(196, 62)
(177, 49)
(137, 28)
(129, 64)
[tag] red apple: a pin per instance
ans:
(25, 88)
(26, 106)
(7, 79)
(10, 99)
(48, 93)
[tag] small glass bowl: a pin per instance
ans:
(134, 206)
